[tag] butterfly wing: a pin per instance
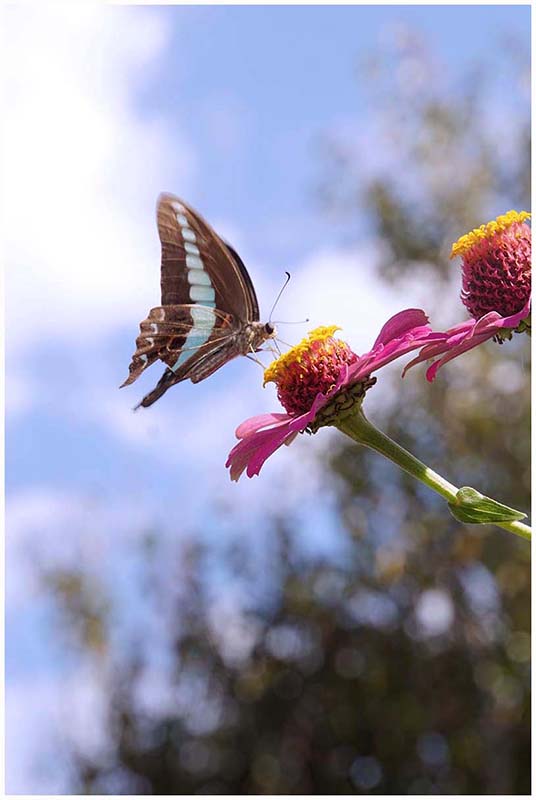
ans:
(207, 297)
(180, 336)
(197, 263)
(204, 362)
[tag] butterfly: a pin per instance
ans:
(209, 312)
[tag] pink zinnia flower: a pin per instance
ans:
(496, 288)
(319, 381)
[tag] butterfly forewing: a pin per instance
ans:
(198, 266)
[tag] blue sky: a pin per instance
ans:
(225, 106)
(276, 79)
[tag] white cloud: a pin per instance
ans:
(82, 170)
(59, 712)
(341, 286)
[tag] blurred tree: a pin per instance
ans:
(444, 155)
(406, 671)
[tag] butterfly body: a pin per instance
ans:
(209, 312)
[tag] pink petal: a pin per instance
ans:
(263, 450)
(243, 452)
(400, 324)
(256, 446)
(494, 320)
(382, 354)
(515, 319)
(256, 423)
(463, 347)
(464, 337)
(262, 443)
(436, 348)
(425, 355)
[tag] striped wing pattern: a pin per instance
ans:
(189, 244)
(207, 298)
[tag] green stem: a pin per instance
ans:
(358, 428)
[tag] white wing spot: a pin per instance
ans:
(192, 248)
(177, 207)
(198, 277)
(202, 294)
(193, 262)
(188, 235)
(181, 219)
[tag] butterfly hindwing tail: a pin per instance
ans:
(168, 379)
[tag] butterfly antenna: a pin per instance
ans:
(294, 322)
(279, 295)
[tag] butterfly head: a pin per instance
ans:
(255, 334)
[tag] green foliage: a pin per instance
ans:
(473, 507)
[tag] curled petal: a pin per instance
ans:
(272, 441)
(261, 444)
(494, 319)
(390, 349)
(257, 445)
(464, 337)
(463, 347)
(400, 324)
(254, 424)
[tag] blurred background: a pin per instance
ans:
(326, 627)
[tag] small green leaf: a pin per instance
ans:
(472, 507)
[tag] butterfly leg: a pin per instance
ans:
(255, 360)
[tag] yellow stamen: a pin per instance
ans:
(502, 222)
(295, 354)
